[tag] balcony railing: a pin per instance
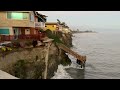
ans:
(12, 37)
(5, 38)
(39, 24)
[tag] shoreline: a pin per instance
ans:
(84, 32)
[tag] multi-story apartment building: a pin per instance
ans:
(17, 23)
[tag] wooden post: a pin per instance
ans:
(48, 44)
(46, 60)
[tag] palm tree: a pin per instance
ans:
(62, 23)
(58, 21)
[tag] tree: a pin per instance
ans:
(63, 23)
(58, 21)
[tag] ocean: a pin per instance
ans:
(103, 57)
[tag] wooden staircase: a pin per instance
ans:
(80, 58)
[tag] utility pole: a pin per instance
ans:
(48, 44)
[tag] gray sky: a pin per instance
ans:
(92, 19)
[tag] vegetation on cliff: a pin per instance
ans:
(59, 37)
(25, 69)
(54, 36)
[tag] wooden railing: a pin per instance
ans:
(5, 38)
(75, 54)
(29, 36)
(12, 37)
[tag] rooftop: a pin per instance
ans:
(51, 23)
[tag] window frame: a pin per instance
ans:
(16, 19)
(8, 33)
(33, 17)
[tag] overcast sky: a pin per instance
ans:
(93, 19)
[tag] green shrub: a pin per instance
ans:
(52, 35)
(20, 69)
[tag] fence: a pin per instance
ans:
(12, 37)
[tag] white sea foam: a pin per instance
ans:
(61, 73)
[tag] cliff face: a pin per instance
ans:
(56, 57)
(25, 63)
(30, 63)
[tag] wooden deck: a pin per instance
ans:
(71, 52)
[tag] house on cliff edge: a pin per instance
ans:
(19, 24)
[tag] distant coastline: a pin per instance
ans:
(86, 31)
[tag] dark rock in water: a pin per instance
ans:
(65, 59)
(78, 62)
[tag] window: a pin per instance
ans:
(25, 15)
(17, 15)
(9, 15)
(4, 31)
(31, 17)
(54, 26)
(27, 31)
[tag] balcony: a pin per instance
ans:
(39, 24)
(12, 37)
